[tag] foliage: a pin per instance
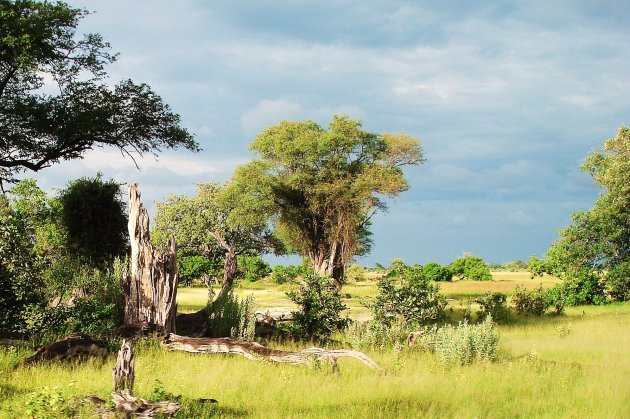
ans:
(375, 335)
(466, 343)
(49, 402)
(355, 273)
(494, 304)
(283, 274)
(598, 240)
(618, 282)
(407, 295)
(252, 268)
(40, 53)
(436, 272)
(194, 267)
(230, 316)
(532, 302)
(537, 266)
(321, 186)
(95, 218)
(471, 267)
(320, 310)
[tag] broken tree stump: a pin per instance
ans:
(151, 287)
(130, 405)
(256, 352)
(71, 348)
(123, 373)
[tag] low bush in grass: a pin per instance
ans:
(618, 282)
(435, 272)
(252, 268)
(465, 343)
(376, 335)
(471, 267)
(354, 273)
(232, 317)
(320, 310)
(536, 302)
(494, 304)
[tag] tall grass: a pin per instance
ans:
(575, 365)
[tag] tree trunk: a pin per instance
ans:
(330, 264)
(230, 265)
(151, 289)
(123, 373)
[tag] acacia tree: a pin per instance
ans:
(595, 249)
(321, 186)
(203, 225)
(54, 100)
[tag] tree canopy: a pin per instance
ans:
(55, 102)
(596, 246)
(320, 187)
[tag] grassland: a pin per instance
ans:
(575, 365)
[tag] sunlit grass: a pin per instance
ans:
(575, 365)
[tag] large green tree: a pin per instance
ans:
(55, 102)
(321, 186)
(203, 225)
(595, 249)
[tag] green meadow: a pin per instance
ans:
(573, 365)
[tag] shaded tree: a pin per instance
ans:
(54, 100)
(320, 187)
(95, 218)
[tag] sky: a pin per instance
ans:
(508, 97)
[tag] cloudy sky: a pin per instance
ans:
(508, 97)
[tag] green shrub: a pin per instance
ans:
(230, 317)
(252, 268)
(283, 274)
(471, 267)
(466, 343)
(494, 304)
(584, 288)
(320, 309)
(618, 282)
(407, 295)
(355, 273)
(531, 302)
(435, 272)
(375, 335)
(556, 298)
(195, 267)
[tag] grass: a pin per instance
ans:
(575, 365)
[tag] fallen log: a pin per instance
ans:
(256, 352)
(71, 348)
(129, 405)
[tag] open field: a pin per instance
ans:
(576, 365)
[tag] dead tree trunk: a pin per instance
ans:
(230, 265)
(151, 289)
(255, 351)
(123, 373)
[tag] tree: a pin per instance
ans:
(471, 267)
(41, 54)
(95, 218)
(204, 226)
(321, 187)
(595, 249)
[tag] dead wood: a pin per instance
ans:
(129, 405)
(256, 352)
(123, 373)
(71, 348)
(151, 287)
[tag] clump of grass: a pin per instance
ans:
(465, 343)
(233, 317)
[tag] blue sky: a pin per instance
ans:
(507, 97)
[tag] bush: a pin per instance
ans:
(195, 267)
(283, 274)
(252, 268)
(471, 267)
(466, 343)
(230, 317)
(584, 288)
(494, 304)
(408, 296)
(320, 309)
(376, 335)
(355, 273)
(556, 298)
(436, 272)
(618, 282)
(532, 302)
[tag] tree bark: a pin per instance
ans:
(123, 373)
(71, 348)
(230, 265)
(255, 351)
(151, 288)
